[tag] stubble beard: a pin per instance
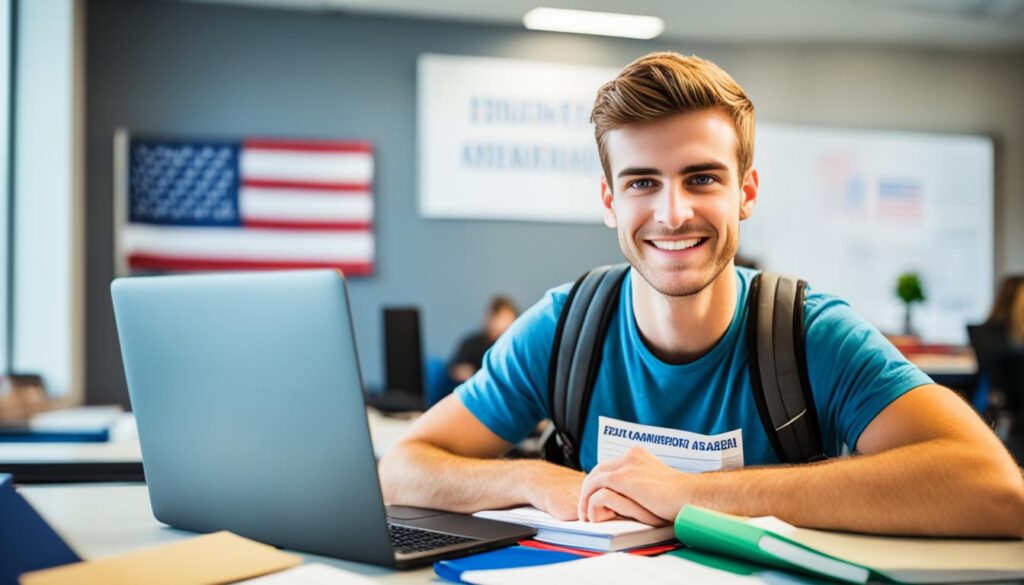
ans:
(665, 282)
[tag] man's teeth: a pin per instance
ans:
(675, 244)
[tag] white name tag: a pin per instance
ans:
(682, 450)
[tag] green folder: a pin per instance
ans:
(728, 535)
(853, 558)
(746, 568)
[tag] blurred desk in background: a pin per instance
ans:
(955, 368)
(117, 459)
(946, 364)
(385, 430)
(71, 462)
(120, 458)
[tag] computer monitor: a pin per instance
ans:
(403, 354)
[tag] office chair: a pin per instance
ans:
(1002, 366)
(403, 362)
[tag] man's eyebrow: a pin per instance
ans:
(706, 166)
(695, 168)
(633, 171)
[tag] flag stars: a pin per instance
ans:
(183, 184)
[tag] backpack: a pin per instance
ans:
(775, 346)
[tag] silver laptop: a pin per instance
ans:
(250, 407)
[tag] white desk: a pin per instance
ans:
(945, 364)
(112, 459)
(99, 520)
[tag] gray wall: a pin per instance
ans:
(197, 70)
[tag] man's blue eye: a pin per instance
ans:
(702, 180)
(642, 184)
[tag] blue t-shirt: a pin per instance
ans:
(854, 373)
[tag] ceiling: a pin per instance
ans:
(957, 24)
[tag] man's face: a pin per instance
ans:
(676, 200)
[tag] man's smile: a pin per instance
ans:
(677, 245)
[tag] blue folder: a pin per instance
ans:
(23, 434)
(27, 542)
(503, 558)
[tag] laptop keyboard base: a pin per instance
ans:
(414, 540)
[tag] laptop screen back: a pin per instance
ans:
(249, 402)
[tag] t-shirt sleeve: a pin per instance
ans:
(509, 393)
(854, 371)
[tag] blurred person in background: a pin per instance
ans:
(1008, 309)
(469, 356)
(1000, 352)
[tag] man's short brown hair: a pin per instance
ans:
(660, 85)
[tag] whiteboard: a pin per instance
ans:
(850, 210)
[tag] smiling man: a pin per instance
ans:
(676, 139)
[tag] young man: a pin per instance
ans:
(676, 138)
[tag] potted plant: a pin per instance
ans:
(910, 291)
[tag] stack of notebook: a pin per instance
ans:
(614, 535)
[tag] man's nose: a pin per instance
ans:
(674, 207)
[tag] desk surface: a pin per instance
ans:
(123, 446)
(945, 364)
(99, 520)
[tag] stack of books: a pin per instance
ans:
(614, 535)
(759, 549)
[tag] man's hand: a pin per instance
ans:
(606, 504)
(637, 485)
(555, 490)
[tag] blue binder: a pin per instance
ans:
(27, 435)
(27, 542)
(503, 558)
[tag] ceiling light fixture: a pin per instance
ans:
(594, 23)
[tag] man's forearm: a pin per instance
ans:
(419, 474)
(915, 489)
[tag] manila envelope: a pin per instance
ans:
(221, 557)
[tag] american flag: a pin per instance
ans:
(195, 205)
(900, 198)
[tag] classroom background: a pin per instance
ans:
(440, 154)
(79, 72)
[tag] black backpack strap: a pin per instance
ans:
(778, 367)
(576, 358)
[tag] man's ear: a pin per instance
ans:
(606, 200)
(748, 192)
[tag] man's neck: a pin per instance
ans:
(681, 329)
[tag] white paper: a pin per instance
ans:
(312, 574)
(530, 516)
(773, 524)
(612, 569)
(682, 450)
